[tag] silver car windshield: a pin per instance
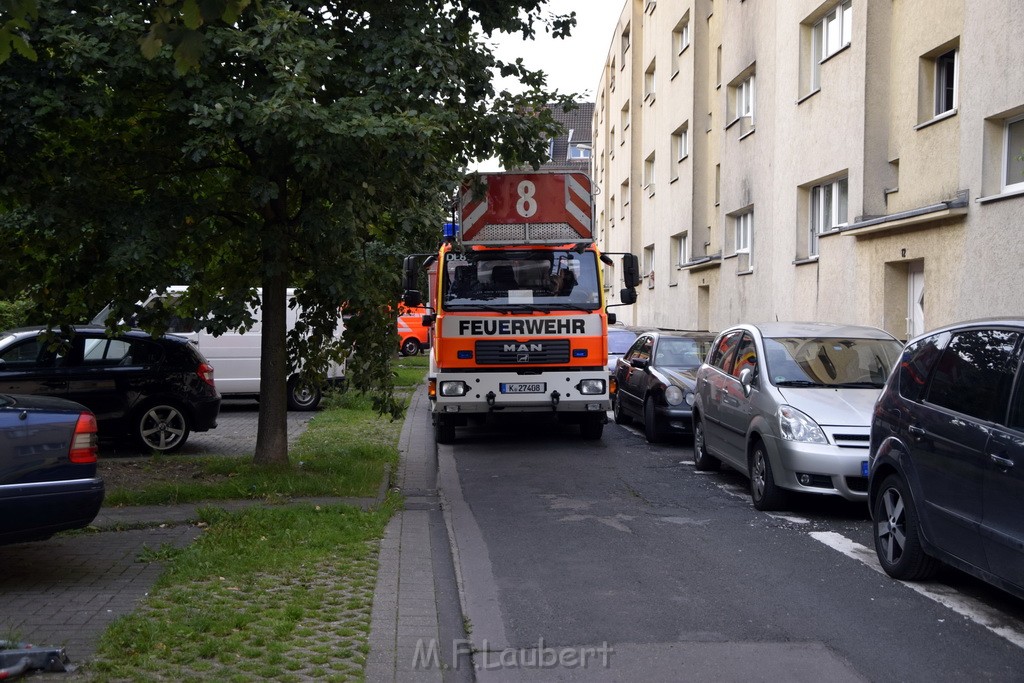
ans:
(530, 279)
(830, 361)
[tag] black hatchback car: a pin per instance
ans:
(947, 456)
(655, 382)
(156, 390)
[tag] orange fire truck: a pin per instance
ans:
(516, 300)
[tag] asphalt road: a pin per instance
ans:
(564, 545)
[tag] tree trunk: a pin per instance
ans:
(272, 429)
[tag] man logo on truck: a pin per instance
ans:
(523, 348)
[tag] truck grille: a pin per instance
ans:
(531, 352)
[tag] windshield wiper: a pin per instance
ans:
(506, 309)
(799, 383)
(860, 385)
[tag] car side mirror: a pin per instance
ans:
(627, 295)
(746, 380)
(641, 363)
(412, 298)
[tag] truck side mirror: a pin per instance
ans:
(410, 274)
(412, 298)
(627, 295)
(631, 270)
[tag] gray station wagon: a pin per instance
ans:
(789, 405)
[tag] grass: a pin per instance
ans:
(279, 593)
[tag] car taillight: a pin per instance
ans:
(206, 373)
(85, 442)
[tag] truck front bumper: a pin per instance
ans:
(565, 391)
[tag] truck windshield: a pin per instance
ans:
(517, 279)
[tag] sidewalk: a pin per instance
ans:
(404, 624)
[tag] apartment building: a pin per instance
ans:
(855, 161)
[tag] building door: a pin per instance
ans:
(915, 299)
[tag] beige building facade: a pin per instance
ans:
(852, 161)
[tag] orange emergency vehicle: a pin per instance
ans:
(413, 335)
(517, 305)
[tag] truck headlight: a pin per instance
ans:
(797, 426)
(454, 388)
(591, 387)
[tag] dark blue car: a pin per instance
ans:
(48, 480)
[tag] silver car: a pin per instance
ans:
(790, 405)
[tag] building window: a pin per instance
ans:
(830, 34)
(681, 249)
(551, 149)
(1013, 155)
(938, 76)
(611, 141)
(741, 101)
(680, 40)
(718, 184)
(744, 226)
(649, 265)
(828, 210)
(718, 68)
(579, 151)
(625, 44)
(649, 175)
(945, 82)
(649, 82)
(624, 123)
(611, 76)
(624, 198)
(680, 148)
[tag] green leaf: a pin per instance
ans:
(192, 15)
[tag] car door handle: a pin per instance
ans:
(917, 432)
(1002, 462)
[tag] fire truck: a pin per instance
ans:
(516, 304)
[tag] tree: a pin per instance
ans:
(311, 146)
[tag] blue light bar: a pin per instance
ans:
(451, 230)
(579, 353)
(465, 355)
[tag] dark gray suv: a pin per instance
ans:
(947, 456)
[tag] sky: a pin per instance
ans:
(573, 65)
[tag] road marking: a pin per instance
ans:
(733, 491)
(978, 612)
(789, 518)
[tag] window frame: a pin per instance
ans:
(816, 210)
(1004, 166)
(946, 69)
(743, 227)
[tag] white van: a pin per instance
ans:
(235, 357)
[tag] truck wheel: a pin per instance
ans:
(592, 427)
(410, 347)
(444, 430)
(302, 396)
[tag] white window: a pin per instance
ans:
(579, 151)
(828, 210)
(624, 123)
(830, 34)
(744, 233)
(624, 198)
(649, 265)
(680, 142)
(649, 82)
(551, 149)
(946, 68)
(680, 40)
(1013, 154)
(745, 99)
(681, 245)
(649, 175)
(625, 44)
